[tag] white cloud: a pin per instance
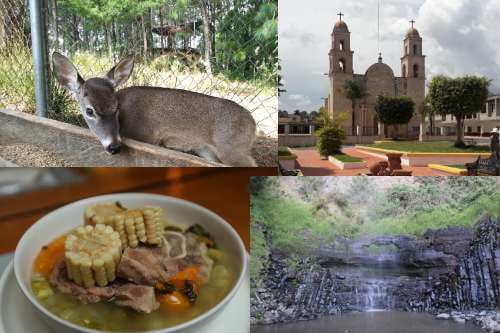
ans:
(459, 38)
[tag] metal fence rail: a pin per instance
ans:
(237, 61)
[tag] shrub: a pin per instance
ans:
(329, 140)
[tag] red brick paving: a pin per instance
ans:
(312, 164)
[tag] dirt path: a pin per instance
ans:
(27, 155)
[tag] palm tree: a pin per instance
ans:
(354, 90)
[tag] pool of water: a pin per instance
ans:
(373, 322)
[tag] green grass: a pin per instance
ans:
(440, 217)
(285, 154)
(427, 147)
(293, 225)
(258, 252)
(347, 159)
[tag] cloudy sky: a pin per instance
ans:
(459, 37)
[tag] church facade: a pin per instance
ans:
(379, 79)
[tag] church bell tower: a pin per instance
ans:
(413, 65)
(341, 68)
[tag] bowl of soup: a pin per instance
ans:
(129, 262)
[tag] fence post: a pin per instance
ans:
(38, 46)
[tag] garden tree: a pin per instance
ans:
(394, 111)
(330, 136)
(354, 90)
(281, 85)
(247, 40)
(460, 97)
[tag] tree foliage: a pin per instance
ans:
(460, 97)
(354, 90)
(329, 140)
(394, 110)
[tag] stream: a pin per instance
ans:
(372, 322)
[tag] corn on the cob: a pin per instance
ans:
(101, 213)
(141, 225)
(92, 255)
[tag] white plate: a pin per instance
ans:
(18, 316)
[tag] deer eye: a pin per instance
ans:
(89, 112)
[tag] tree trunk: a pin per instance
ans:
(207, 34)
(162, 38)
(108, 40)
(76, 36)
(55, 30)
(144, 37)
(353, 129)
(460, 132)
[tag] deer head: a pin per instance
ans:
(97, 97)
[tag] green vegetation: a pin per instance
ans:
(346, 158)
(419, 222)
(329, 140)
(460, 97)
(427, 147)
(354, 90)
(293, 223)
(300, 215)
(394, 111)
(285, 154)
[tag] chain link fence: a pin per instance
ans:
(223, 48)
(17, 90)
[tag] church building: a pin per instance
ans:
(379, 79)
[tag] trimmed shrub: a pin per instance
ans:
(329, 140)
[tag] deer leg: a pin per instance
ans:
(207, 153)
(232, 156)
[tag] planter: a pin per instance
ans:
(347, 165)
(424, 159)
(80, 147)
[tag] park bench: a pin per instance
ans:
(484, 167)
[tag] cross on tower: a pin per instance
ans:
(340, 15)
(412, 23)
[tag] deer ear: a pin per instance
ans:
(121, 72)
(66, 72)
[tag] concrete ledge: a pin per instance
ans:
(448, 170)
(5, 163)
(80, 147)
(347, 165)
(424, 159)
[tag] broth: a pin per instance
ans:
(107, 316)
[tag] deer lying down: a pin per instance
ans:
(214, 128)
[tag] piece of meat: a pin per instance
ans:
(197, 256)
(177, 244)
(139, 298)
(144, 265)
(59, 279)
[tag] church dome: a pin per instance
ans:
(380, 69)
(412, 32)
(340, 26)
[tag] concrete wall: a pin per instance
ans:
(80, 147)
(306, 140)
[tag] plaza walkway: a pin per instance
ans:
(312, 164)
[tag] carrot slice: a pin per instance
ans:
(190, 273)
(174, 302)
(49, 256)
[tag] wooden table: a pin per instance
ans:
(222, 190)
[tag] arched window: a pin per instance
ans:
(415, 70)
(415, 48)
(341, 45)
(342, 65)
(403, 71)
(406, 49)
